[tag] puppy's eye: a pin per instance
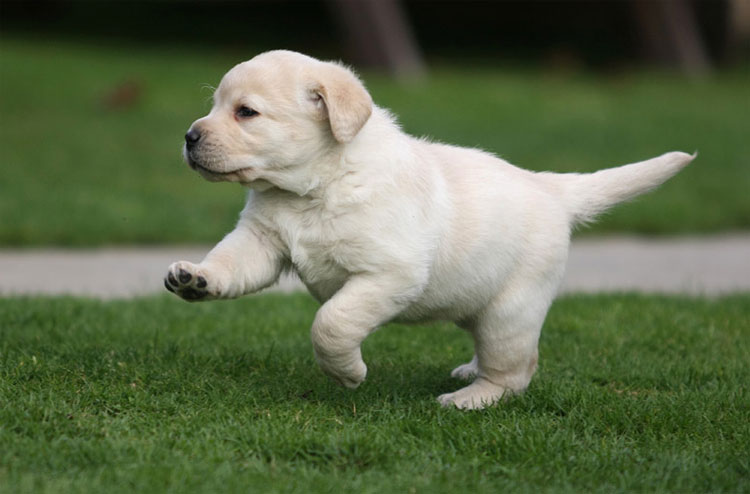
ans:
(245, 112)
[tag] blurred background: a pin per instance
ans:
(95, 98)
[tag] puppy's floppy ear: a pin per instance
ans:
(343, 98)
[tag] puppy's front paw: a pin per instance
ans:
(350, 375)
(187, 280)
(355, 376)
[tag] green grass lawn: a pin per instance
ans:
(644, 394)
(77, 171)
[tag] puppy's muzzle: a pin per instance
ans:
(192, 138)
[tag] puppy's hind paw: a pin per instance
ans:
(477, 395)
(187, 281)
(467, 371)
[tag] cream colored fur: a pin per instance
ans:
(381, 226)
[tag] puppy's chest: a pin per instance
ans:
(321, 247)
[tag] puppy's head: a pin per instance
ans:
(278, 111)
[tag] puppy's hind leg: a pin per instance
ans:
(466, 371)
(505, 339)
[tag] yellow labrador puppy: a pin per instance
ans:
(382, 227)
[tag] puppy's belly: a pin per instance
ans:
(446, 304)
(322, 280)
(449, 296)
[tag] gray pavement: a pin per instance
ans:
(711, 265)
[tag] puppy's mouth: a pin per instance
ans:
(238, 175)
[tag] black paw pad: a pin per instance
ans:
(168, 287)
(172, 280)
(184, 276)
(201, 282)
(191, 294)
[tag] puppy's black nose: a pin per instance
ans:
(192, 137)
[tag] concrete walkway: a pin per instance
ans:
(688, 265)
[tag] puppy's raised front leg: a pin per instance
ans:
(343, 322)
(245, 261)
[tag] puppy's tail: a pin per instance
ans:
(588, 195)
